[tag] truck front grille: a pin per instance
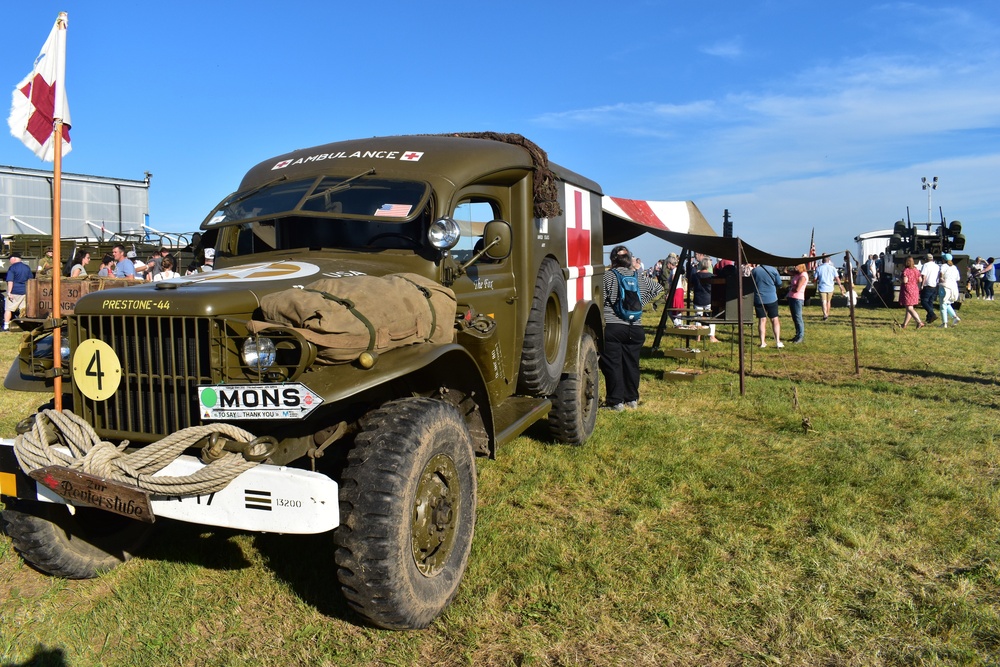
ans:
(163, 360)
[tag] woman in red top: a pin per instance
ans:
(909, 293)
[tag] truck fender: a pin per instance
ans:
(586, 315)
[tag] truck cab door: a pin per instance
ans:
(487, 288)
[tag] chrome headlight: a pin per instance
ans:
(259, 354)
(43, 347)
(444, 233)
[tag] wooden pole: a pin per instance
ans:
(739, 314)
(57, 267)
(849, 279)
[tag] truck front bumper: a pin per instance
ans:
(266, 498)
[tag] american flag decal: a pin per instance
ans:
(393, 210)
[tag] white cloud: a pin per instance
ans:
(731, 48)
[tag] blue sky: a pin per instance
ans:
(793, 115)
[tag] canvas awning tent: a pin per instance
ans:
(680, 223)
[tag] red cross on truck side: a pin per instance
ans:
(577, 245)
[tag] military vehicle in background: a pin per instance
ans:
(917, 240)
(33, 246)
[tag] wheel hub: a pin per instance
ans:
(435, 514)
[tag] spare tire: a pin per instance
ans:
(544, 350)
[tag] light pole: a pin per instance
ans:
(928, 185)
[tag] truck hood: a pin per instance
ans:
(236, 289)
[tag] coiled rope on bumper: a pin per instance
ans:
(88, 453)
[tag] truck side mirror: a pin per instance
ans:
(498, 238)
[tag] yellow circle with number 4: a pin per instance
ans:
(96, 369)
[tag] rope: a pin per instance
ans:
(90, 454)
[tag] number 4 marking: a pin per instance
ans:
(94, 369)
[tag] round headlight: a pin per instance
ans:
(443, 233)
(259, 353)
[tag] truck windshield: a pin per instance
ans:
(327, 196)
(325, 212)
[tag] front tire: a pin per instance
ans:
(575, 401)
(75, 546)
(408, 513)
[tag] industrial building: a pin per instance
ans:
(93, 207)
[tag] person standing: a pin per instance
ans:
(622, 339)
(796, 299)
(45, 263)
(124, 268)
(107, 267)
(675, 302)
(929, 274)
(80, 262)
(166, 271)
(909, 292)
(702, 296)
(18, 275)
(948, 289)
(976, 277)
(826, 276)
(988, 278)
(766, 282)
(209, 262)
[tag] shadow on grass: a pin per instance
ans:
(304, 562)
(43, 657)
(984, 381)
(208, 547)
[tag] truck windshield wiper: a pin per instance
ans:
(343, 185)
(252, 191)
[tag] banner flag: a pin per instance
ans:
(40, 99)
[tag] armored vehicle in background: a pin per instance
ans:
(917, 240)
(376, 442)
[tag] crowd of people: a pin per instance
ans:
(119, 263)
(934, 286)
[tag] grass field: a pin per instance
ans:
(825, 518)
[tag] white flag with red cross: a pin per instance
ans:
(40, 99)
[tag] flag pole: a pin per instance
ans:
(57, 215)
(57, 267)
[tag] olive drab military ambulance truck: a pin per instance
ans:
(381, 312)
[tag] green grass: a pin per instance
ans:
(706, 528)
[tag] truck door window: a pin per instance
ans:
(472, 216)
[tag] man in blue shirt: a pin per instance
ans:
(124, 268)
(766, 282)
(18, 275)
(826, 276)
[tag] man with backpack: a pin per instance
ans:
(626, 290)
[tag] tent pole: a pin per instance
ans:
(739, 313)
(850, 302)
(669, 298)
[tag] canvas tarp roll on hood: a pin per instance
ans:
(680, 223)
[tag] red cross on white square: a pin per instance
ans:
(578, 262)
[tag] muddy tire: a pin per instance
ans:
(407, 512)
(74, 546)
(575, 401)
(544, 350)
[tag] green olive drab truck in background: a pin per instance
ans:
(361, 434)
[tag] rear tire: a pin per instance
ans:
(74, 546)
(575, 401)
(408, 513)
(544, 350)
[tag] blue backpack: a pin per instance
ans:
(628, 307)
